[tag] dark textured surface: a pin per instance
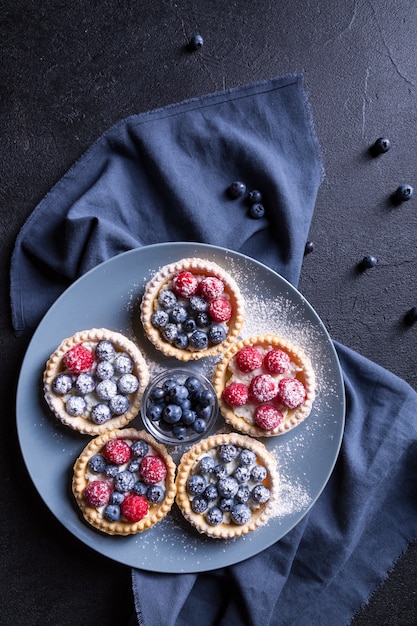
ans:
(69, 71)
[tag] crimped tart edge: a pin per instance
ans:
(156, 512)
(294, 416)
(164, 275)
(223, 530)
(53, 368)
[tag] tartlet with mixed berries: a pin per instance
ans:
(124, 482)
(227, 485)
(94, 381)
(265, 386)
(191, 309)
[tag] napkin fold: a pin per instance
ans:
(162, 176)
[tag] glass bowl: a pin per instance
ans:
(179, 406)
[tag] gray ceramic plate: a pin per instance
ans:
(108, 296)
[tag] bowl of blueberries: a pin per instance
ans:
(179, 406)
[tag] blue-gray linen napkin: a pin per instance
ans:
(162, 176)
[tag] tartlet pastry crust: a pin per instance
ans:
(80, 481)
(90, 338)
(189, 465)
(291, 417)
(202, 268)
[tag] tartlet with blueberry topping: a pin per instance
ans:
(227, 485)
(191, 309)
(94, 381)
(124, 482)
(265, 386)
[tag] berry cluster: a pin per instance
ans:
(96, 385)
(193, 312)
(268, 385)
(128, 478)
(228, 485)
(180, 407)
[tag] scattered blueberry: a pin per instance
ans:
(254, 196)
(368, 262)
(404, 192)
(237, 189)
(309, 247)
(411, 316)
(196, 42)
(381, 145)
(257, 211)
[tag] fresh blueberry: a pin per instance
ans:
(168, 384)
(220, 471)
(211, 493)
(193, 385)
(199, 504)
(172, 413)
(257, 211)
(199, 340)
(75, 406)
(206, 464)
(196, 42)
(116, 497)
(189, 325)
(112, 512)
(159, 319)
(157, 395)
(237, 189)
(198, 304)
(247, 457)
(228, 487)
(97, 463)
(309, 247)
(106, 389)
(214, 516)
(179, 431)
(140, 488)
(62, 384)
(100, 413)
(243, 494)
(368, 262)
(381, 145)
(196, 484)
(258, 473)
(134, 465)
(178, 393)
(181, 341)
(203, 412)
(167, 299)
(202, 320)
(170, 332)
(111, 470)
(240, 514)
(104, 370)
(154, 412)
(216, 334)
(199, 425)
(124, 481)
(228, 452)
(242, 474)
(261, 494)
(206, 397)
(254, 196)
(123, 364)
(139, 448)
(226, 504)
(127, 384)
(104, 351)
(155, 493)
(119, 404)
(404, 192)
(178, 314)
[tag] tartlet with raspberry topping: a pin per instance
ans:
(265, 386)
(124, 482)
(227, 485)
(191, 309)
(94, 381)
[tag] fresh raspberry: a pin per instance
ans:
(78, 359)
(97, 493)
(117, 451)
(276, 361)
(210, 288)
(267, 417)
(236, 394)
(152, 470)
(134, 507)
(291, 392)
(185, 284)
(263, 388)
(220, 310)
(248, 359)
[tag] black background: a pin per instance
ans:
(69, 70)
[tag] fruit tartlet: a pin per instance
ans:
(124, 482)
(265, 386)
(94, 381)
(227, 485)
(192, 309)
